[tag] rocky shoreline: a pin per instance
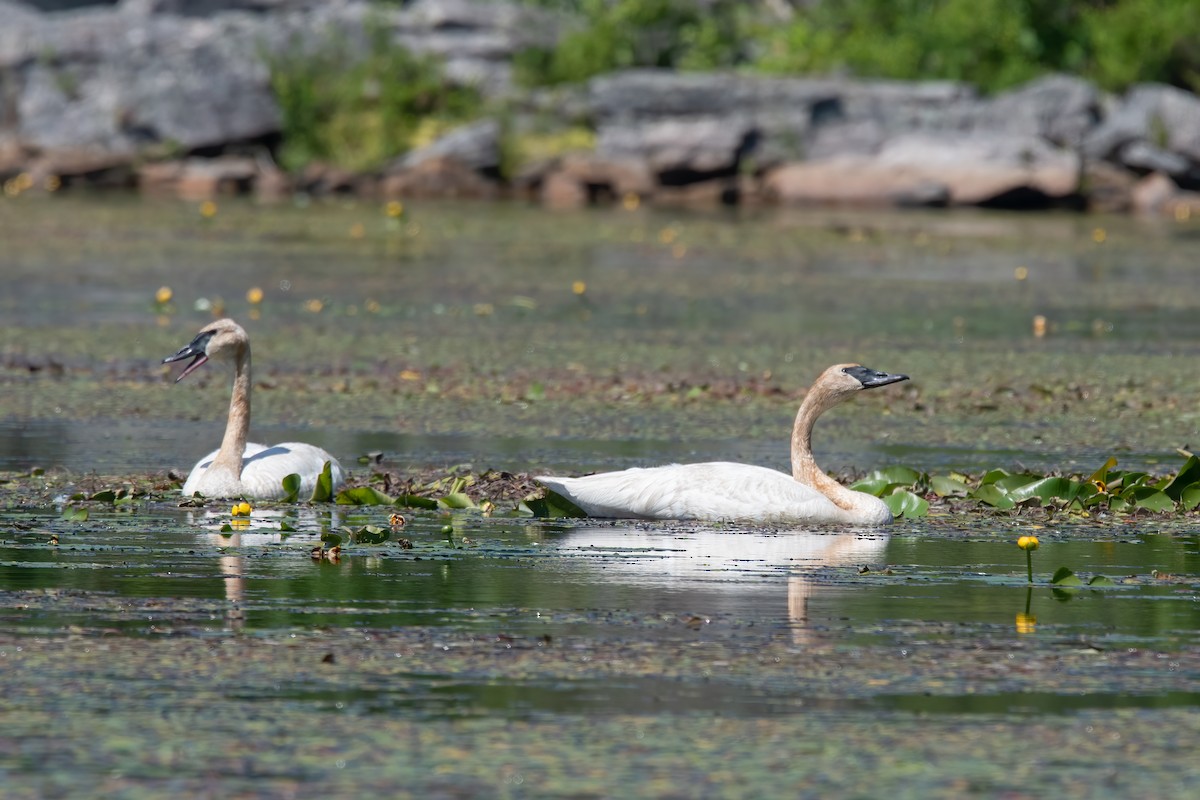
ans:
(174, 97)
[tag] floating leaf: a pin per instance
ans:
(291, 488)
(1188, 475)
(1101, 580)
(991, 476)
(415, 501)
(1190, 498)
(1149, 498)
(226, 528)
(369, 534)
(106, 496)
(551, 506)
(363, 496)
(904, 503)
(1010, 482)
(75, 514)
(286, 526)
(993, 496)
(906, 476)
(331, 539)
(951, 486)
(1046, 490)
(323, 488)
(1064, 577)
(1102, 473)
(876, 487)
(456, 500)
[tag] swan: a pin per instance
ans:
(722, 490)
(240, 468)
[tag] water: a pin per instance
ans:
(146, 651)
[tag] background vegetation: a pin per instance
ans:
(359, 107)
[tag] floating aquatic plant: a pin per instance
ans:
(1028, 544)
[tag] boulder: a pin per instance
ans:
(1153, 193)
(1059, 108)
(199, 178)
(578, 180)
(440, 177)
(476, 145)
(1158, 116)
(699, 146)
(934, 169)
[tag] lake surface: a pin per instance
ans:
(147, 652)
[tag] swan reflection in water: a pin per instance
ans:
(260, 529)
(749, 563)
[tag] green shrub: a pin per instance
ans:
(1144, 40)
(358, 110)
(617, 34)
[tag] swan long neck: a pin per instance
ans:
(804, 467)
(237, 429)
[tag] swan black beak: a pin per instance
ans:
(195, 350)
(871, 378)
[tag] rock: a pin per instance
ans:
(1152, 194)
(199, 178)
(1108, 188)
(1060, 108)
(935, 169)
(578, 180)
(476, 145)
(1144, 157)
(698, 146)
(321, 178)
(438, 177)
(1160, 116)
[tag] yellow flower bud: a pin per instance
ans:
(1028, 543)
(254, 296)
(163, 295)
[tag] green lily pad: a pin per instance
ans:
(363, 496)
(291, 488)
(904, 503)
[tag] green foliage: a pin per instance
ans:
(552, 505)
(360, 110)
(1143, 40)
(291, 488)
(323, 489)
(363, 496)
(618, 34)
(1107, 489)
(993, 44)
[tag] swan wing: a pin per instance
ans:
(710, 491)
(263, 471)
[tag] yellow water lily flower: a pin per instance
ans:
(1028, 543)
(241, 509)
(163, 295)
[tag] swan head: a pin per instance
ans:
(842, 381)
(221, 339)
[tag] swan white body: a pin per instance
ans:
(716, 490)
(723, 490)
(239, 468)
(263, 471)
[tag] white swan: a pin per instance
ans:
(721, 490)
(240, 468)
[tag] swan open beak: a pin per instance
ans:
(870, 378)
(195, 351)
